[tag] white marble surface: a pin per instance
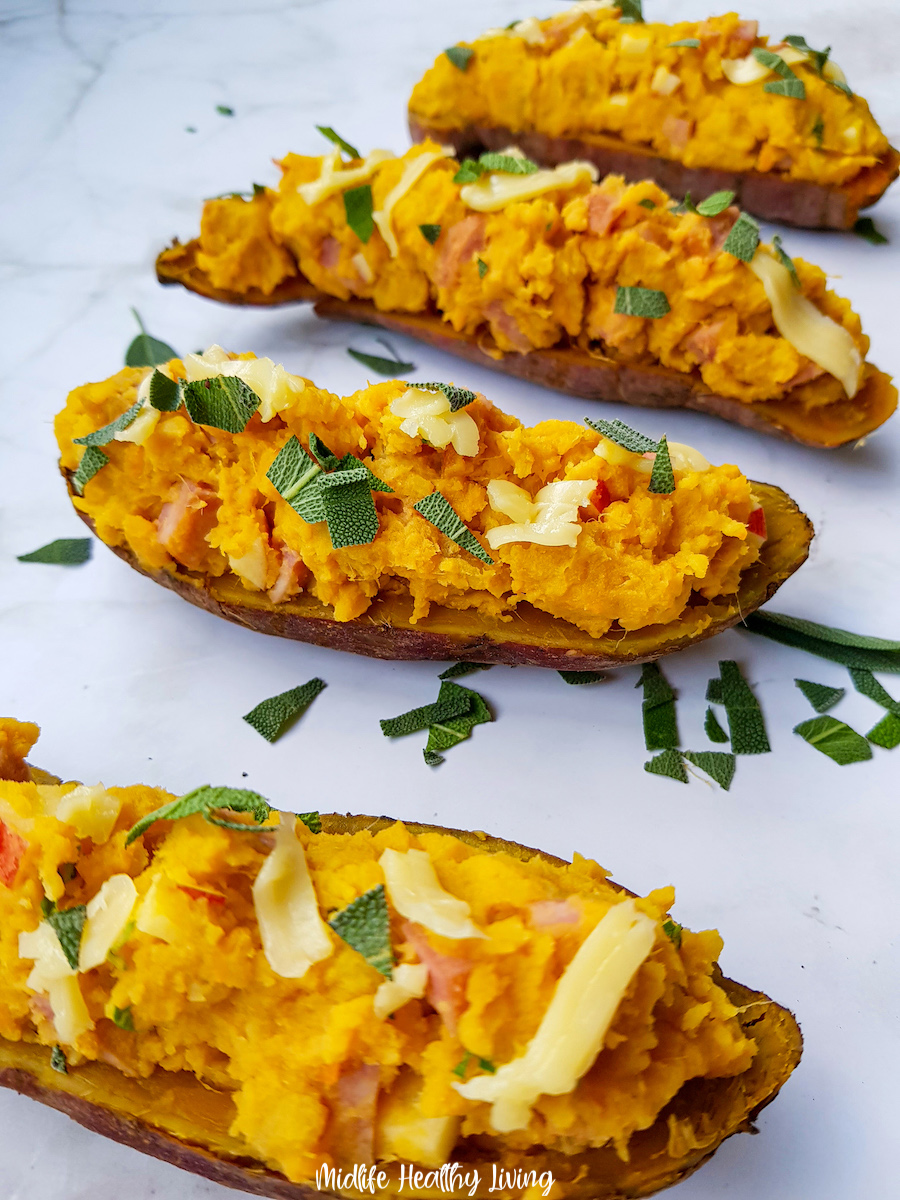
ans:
(797, 866)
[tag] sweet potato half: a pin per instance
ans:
(770, 195)
(533, 639)
(173, 1117)
(570, 369)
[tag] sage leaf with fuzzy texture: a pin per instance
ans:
(439, 512)
(365, 925)
(830, 736)
(270, 717)
(64, 552)
(147, 351)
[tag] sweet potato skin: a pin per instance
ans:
(570, 369)
(770, 196)
(546, 642)
(732, 1104)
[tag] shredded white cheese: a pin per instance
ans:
(415, 892)
(293, 934)
(686, 458)
(251, 566)
(427, 415)
(107, 915)
(409, 982)
(91, 811)
(664, 83)
(413, 170)
(335, 178)
(275, 386)
(633, 44)
(574, 1027)
(148, 416)
(152, 918)
(496, 190)
(809, 331)
(52, 975)
(551, 519)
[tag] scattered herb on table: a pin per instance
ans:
(64, 552)
(271, 716)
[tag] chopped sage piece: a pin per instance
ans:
(458, 397)
(820, 695)
(122, 1017)
(839, 645)
(647, 203)
(64, 552)
(818, 132)
(165, 393)
(349, 508)
(641, 302)
(865, 228)
(358, 209)
(102, 437)
(460, 56)
(469, 171)
(452, 701)
(365, 925)
(818, 58)
(714, 692)
(886, 733)
(224, 110)
(836, 739)
(444, 734)
(658, 708)
(147, 351)
(328, 132)
(745, 719)
(670, 764)
(464, 668)
(715, 204)
(789, 84)
(578, 677)
(623, 435)
(311, 820)
(223, 402)
(508, 164)
(271, 716)
(58, 1060)
(785, 260)
(867, 685)
(291, 472)
(68, 926)
(482, 268)
(717, 764)
(631, 12)
(439, 512)
(673, 932)
(743, 240)
(430, 233)
(713, 729)
(662, 478)
(205, 800)
(92, 461)
(688, 43)
(432, 759)
(391, 367)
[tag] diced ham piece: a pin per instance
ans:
(200, 894)
(447, 976)
(291, 577)
(547, 914)
(40, 1005)
(808, 372)
(351, 1131)
(757, 523)
(677, 131)
(329, 253)
(460, 242)
(602, 211)
(704, 341)
(184, 522)
(654, 235)
(598, 500)
(11, 850)
(743, 39)
(720, 227)
(501, 322)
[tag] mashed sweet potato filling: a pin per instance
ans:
(536, 273)
(194, 496)
(310, 1067)
(584, 72)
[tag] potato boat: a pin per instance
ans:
(417, 521)
(290, 1007)
(606, 291)
(695, 106)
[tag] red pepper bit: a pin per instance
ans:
(11, 850)
(757, 523)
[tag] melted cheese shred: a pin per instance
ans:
(106, 919)
(493, 192)
(572, 1031)
(416, 893)
(414, 170)
(294, 936)
(806, 327)
(334, 177)
(551, 519)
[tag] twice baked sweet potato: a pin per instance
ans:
(605, 290)
(191, 1028)
(554, 546)
(696, 106)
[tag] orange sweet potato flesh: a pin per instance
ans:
(171, 1116)
(532, 639)
(769, 195)
(570, 369)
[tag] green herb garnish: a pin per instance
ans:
(623, 435)
(328, 132)
(439, 512)
(819, 57)
(458, 397)
(58, 1060)
(673, 932)
(886, 733)
(147, 351)
(271, 716)
(432, 758)
(710, 207)
(714, 691)
(447, 733)
(641, 302)
(291, 474)
(460, 56)
(462, 1065)
(225, 110)
(820, 695)
(578, 677)
(662, 477)
(358, 209)
(865, 228)
(818, 129)
(839, 645)
(365, 925)
(712, 728)
(789, 84)
(785, 260)
(745, 720)
(743, 239)
(508, 164)
(391, 367)
(464, 668)
(349, 508)
(453, 701)
(311, 820)
(204, 801)
(658, 708)
(92, 461)
(102, 437)
(165, 393)
(647, 203)
(430, 233)
(68, 926)
(867, 685)
(469, 171)
(482, 268)
(631, 12)
(669, 764)
(223, 402)
(122, 1017)
(718, 765)
(836, 739)
(64, 552)
(688, 43)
